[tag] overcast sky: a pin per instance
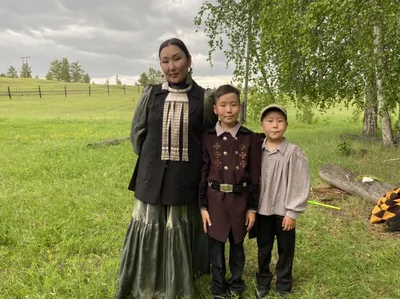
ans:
(107, 37)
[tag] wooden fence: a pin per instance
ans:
(17, 92)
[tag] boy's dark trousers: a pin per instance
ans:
(220, 287)
(267, 228)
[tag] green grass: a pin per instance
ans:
(64, 206)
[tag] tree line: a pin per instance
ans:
(315, 54)
(62, 70)
(59, 70)
(151, 77)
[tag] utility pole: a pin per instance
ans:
(26, 62)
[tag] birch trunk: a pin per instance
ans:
(386, 126)
(387, 131)
(370, 122)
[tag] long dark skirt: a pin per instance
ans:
(164, 249)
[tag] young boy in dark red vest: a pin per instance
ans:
(229, 189)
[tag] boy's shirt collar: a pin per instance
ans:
(281, 148)
(232, 131)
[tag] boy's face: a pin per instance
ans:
(274, 125)
(227, 108)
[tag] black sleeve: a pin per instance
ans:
(255, 171)
(203, 202)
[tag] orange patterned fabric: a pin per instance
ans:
(387, 206)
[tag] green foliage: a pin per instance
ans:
(151, 77)
(67, 72)
(356, 115)
(324, 52)
(12, 72)
(76, 72)
(256, 102)
(230, 26)
(3, 75)
(143, 79)
(86, 78)
(344, 147)
(49, 76)
(54, 71)
(305, 112)
(26, 71)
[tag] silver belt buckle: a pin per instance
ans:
(227, 188)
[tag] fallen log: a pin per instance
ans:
(350, 182)
(108, 142)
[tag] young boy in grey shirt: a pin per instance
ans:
(285, 185)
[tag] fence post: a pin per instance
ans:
(65, 90)
(108, 89)
(9, 92)
(90, 91)
(124, 89)
(40, 92)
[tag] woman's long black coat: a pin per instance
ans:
(168, 182)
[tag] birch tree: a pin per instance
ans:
(320, 53)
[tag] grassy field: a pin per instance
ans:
(64, 206)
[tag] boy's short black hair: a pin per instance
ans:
(225, 89)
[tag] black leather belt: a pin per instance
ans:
(228, 188)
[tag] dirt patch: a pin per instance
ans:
(327, 193)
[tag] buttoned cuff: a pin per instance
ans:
(292, 214)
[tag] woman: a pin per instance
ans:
(164, 246)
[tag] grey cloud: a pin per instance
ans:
(107, 37)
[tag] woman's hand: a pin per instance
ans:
(205, 216)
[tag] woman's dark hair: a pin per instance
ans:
(225, 89)
(174, 42)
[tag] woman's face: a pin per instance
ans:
(174, 64)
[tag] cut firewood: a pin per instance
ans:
(350, 182)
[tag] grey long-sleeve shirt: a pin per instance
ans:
(285, 181)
